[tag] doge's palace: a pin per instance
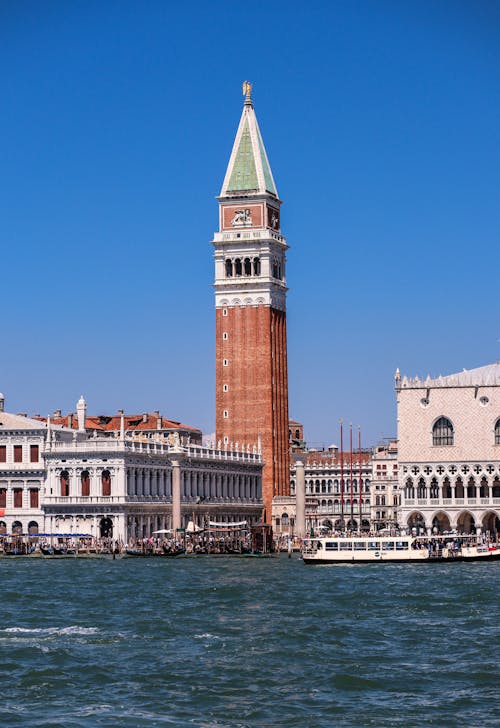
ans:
(449, 450)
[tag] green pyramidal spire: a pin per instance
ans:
(248, 171)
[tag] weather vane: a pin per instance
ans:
(247, 89)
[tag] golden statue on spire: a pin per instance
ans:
(247, 89)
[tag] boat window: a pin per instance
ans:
(388, 546)
(331, 546)
(346, 545)
(319, 545)
(373, 545)
(359, 546)
(401, 545)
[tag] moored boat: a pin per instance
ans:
(397, 549)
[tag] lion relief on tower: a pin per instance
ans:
(242, 218)
(235, 217)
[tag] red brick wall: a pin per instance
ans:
(257, 396)
(229, 211)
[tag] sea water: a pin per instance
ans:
(246, 642)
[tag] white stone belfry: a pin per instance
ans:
(81, 409)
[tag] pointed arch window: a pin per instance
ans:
(442, 432)
(497, 432)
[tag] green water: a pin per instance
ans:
(233, 643)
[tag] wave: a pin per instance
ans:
(73, 629)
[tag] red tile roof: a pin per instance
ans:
(111, 423)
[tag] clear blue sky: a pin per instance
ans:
(381, 121)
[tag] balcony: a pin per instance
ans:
(82, 500)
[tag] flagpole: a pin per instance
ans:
(342, 525)
(350, 473)
(360, 477)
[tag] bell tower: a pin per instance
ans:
(250, 301)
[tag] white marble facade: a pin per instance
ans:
(449, 450)
(57, 480)
(130, 487)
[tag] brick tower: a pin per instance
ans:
(250, 300)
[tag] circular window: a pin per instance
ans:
(483, 401)
(424, 402)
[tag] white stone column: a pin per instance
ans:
(300, 500)
(176, 494)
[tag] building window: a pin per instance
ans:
(34, 456)
(33, 527)
(224, 311)
(256, 267)
(226, 440)
(17, 528)
(226, 414)
(224, 335)
(237, 267)
(18, 453)
(442, 432)
(225, 387)
(85, 478)
(247, 267)
(18, 497)
(229, 268)
(497, 433)
(64, 478)
(3, 497)
(106, 482)
(3, 453)
(33, 497)
(225, 362)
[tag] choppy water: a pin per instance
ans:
(240, 643)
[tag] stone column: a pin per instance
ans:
(300, 500)
(176, 494)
